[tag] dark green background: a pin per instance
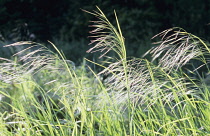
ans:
(65, 24)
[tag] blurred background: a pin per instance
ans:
(66, 25)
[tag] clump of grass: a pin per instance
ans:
(161, 90)
(42, 93)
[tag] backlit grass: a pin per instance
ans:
(42, 93)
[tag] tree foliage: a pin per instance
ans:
(140, 20)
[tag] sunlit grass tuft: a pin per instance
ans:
(42, 93)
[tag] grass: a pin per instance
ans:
(42, 93)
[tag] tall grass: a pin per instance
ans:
(42, 93)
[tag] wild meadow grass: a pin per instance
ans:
(42, 93)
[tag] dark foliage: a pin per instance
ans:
(65, 21)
